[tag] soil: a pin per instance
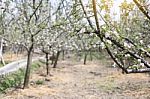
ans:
(95, 80)
(13, 57)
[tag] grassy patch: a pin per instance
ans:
(1, 65)
(108, 85)
(35, 65)
(15, 79)
(6, 62)
(39, 82)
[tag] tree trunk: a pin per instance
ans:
(85, 58)
(79, 56)
(57, 56)
(63, 55)
(47, 64)
(27, 73)
(1, 52)
(91, 58)
(52, 59)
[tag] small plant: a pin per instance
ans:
(13, 80)
(39, 82)
(35, 65)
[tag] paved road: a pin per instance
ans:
(14, 66)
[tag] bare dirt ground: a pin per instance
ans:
(13, 57)
(96, 80)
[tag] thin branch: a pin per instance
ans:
(88, 18)
(136, 56)
(141, 8)
(35, 11)
(101, 36)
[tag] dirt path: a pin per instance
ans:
(71, 80)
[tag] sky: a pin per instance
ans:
(116, 7)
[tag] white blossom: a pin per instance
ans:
(142, 64)
(136, 37)
(140, 34)
(139, 60)
(115, 52)
(91, 34)
(141, 41)
(128, 45)
(128, 29)
(127, 55)
(102, 45)
(114, 65)
(86, 48)
(107, 34)
(94, 45)
(146, 26)
(116, 34)
(143, 49)
(109, 42)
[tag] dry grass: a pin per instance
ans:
(12, 57)
(71, 79)
(32, 92)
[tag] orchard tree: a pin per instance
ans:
(4, 22)
(30, 20)
(56, 36)
(111, 36)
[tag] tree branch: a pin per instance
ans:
(88, 19)
(142, 9)
(35, 11)
(101, 36)
(138, 70)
